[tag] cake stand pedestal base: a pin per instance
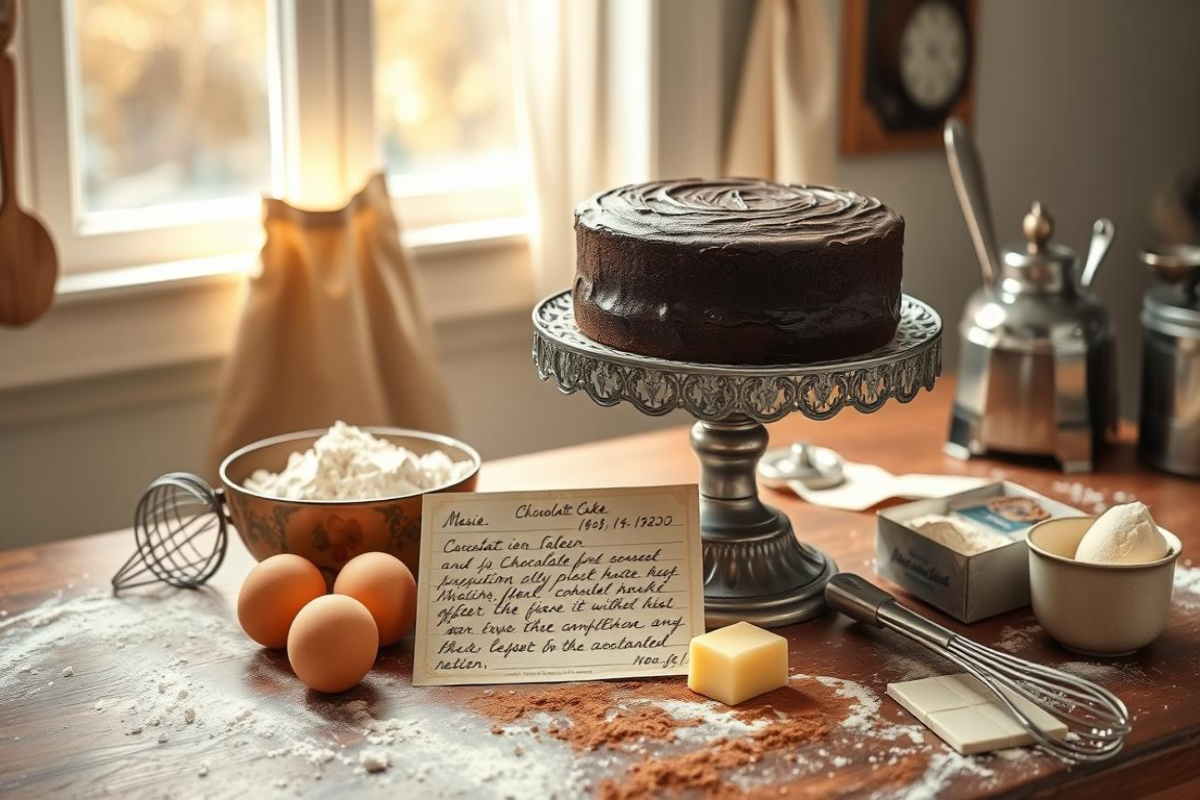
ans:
(755, 570)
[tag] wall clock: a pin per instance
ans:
(906, 67)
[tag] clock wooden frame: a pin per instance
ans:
(862, 131)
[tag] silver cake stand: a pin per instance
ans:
(755, 569)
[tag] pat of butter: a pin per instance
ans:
(735, 663)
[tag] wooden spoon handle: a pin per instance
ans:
(8, 22)
(8, 108)
(8, 134)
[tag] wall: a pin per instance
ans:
(78, 455)
(1087, 105)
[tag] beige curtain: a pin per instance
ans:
(559, 51)
(783, 126)
(333, 328)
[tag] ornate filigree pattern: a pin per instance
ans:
(712, 392)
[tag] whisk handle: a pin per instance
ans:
(857, 598)
(865, 602)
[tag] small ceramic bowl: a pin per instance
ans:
(331, 532)
(1097, 609)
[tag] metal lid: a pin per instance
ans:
(1167, 310)
(1037, 265)
(1172, 307)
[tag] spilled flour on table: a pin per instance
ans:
(148, 683)
(1091, 499)
(1187, 586)
(158, 694)
(864, 710)
(161, 676)
(410, 750)
(902, 667)
(1014, 640)
(944, 767)
(1105, 673)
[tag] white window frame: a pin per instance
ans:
(324, 145)
(120, 311)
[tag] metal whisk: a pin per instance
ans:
(1097, 721)
(180, 530)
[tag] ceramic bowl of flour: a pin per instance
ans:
(331, 532)
(1097, 609)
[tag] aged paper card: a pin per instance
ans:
(520, 587)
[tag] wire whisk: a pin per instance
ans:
(1097, 721)
(180, 532)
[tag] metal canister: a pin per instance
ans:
(1169, 431)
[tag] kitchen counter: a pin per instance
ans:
(157, 692)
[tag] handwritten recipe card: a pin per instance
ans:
(520, 587)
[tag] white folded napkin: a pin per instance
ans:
(866, 485)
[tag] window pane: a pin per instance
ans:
(172, 99)
(443, 84)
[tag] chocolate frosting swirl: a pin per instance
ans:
(740, 212)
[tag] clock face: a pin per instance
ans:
(933, 55)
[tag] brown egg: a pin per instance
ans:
(333, 643)
(383, 584)
(273, 594)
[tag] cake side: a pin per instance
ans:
(787, 275)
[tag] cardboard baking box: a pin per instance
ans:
(967, 587)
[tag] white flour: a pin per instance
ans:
(1014, 640)
(147, 679)
(1090, 499)
(1105, 673)
(943, 767)
(158, 693)
(957, 534)
(348, 463)
(161, 673)
(865, 711)
(717, 720)
(426, 745)
(1187, 586)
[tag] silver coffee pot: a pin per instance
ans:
(1037, 371)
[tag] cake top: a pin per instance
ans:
(744, 211)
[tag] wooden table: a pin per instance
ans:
(255, 729)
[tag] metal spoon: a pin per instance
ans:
(966, 169)
(1102, 236)
(815, 467)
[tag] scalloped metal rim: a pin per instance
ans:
(715, 392)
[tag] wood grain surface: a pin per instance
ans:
(256, 731)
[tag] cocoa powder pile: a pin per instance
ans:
(795, 715)
(600, 715)
(590, 708)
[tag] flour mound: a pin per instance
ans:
(348, 463)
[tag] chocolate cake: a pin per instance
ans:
(738, 271)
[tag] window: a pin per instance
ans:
(173, 102)
(152, 128)
(443, 85)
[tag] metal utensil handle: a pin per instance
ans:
(863, 601)
(966, 169)
(1102, 235)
